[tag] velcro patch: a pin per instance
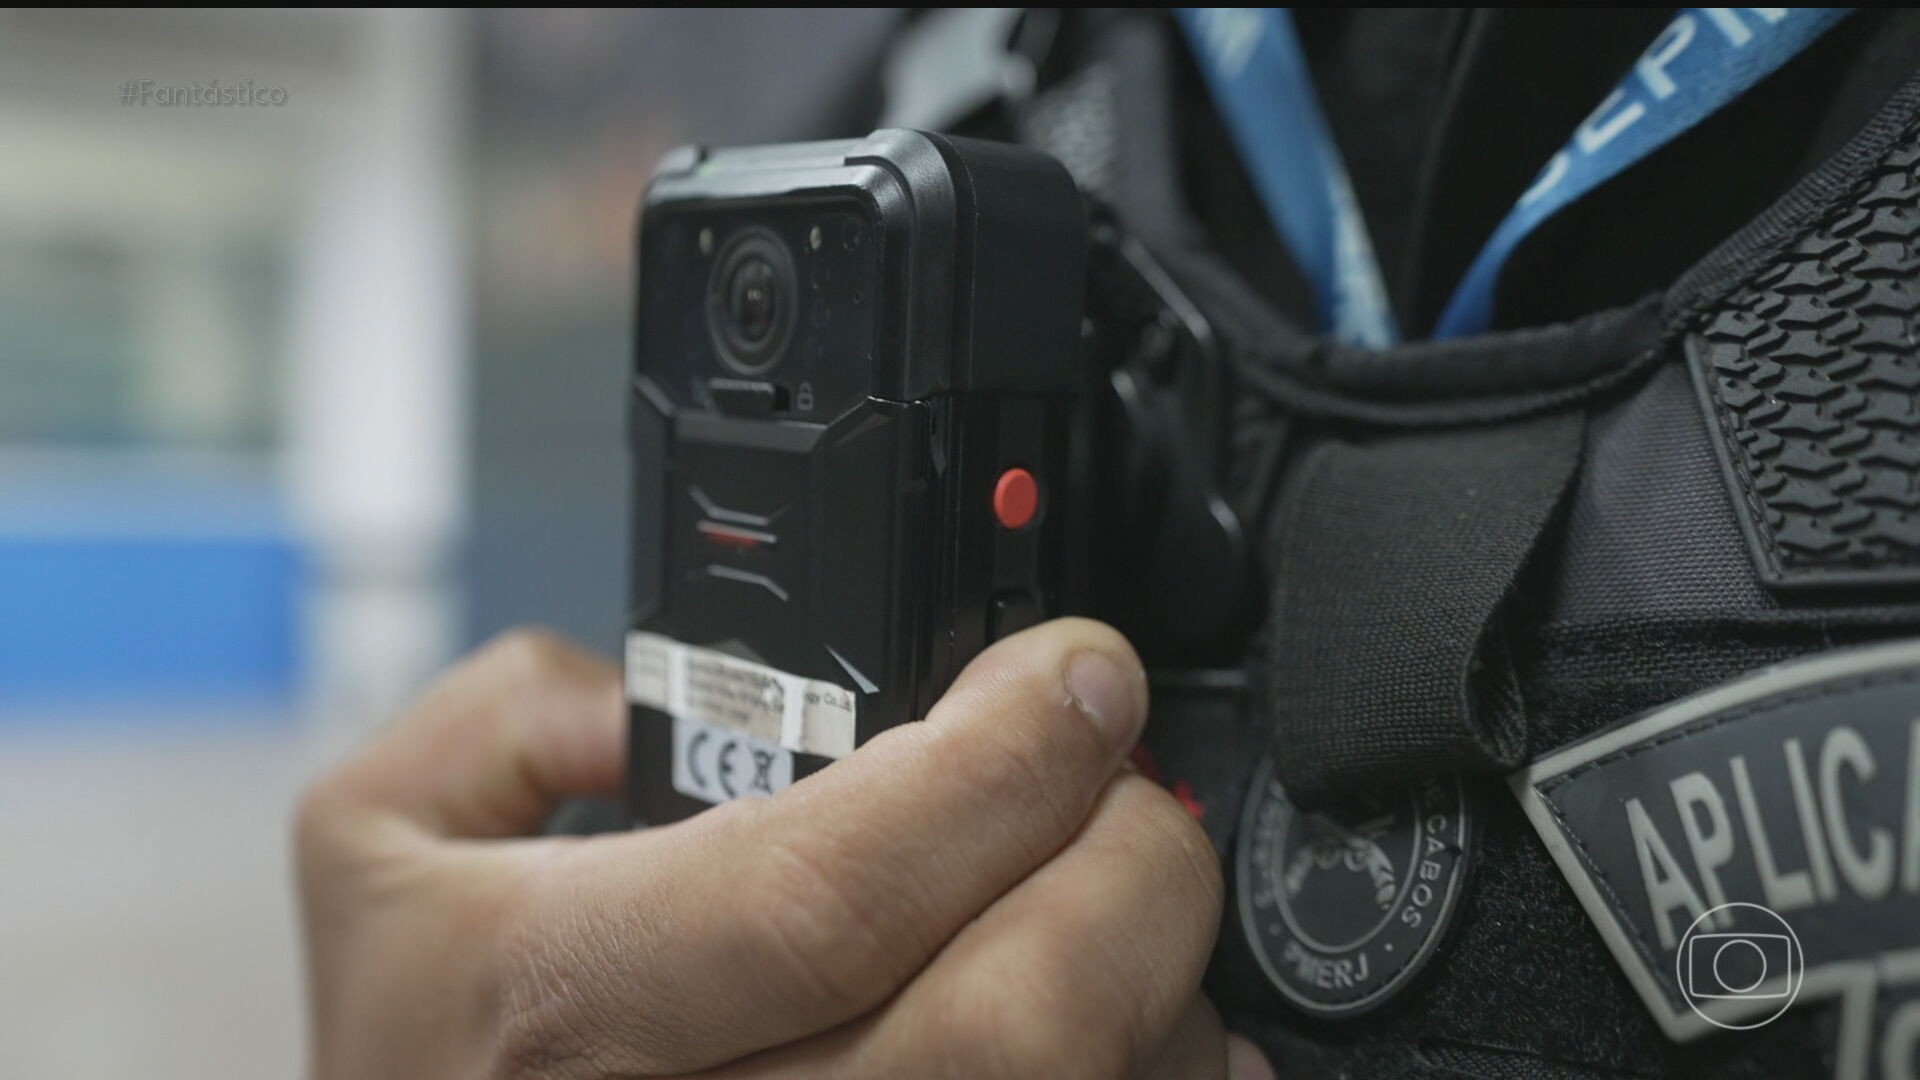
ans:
(1757, 845)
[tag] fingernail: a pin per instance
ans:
(1107, 692)
(1245, 1061)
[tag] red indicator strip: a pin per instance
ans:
(734, 536)
(1142, 759)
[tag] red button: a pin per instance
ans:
(1016, 499)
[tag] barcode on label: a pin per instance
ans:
(713, 688)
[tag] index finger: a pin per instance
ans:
(771, 920)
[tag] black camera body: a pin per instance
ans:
(853, 418)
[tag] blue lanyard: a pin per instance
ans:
(1703, 60)
(1253, 64)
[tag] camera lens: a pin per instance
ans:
(751, 301)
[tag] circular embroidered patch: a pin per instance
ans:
(1344, 906)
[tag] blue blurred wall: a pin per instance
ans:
(154, 597)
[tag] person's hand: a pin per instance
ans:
(985, 893)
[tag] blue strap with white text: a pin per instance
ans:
(1259, 79)
(1704, 59)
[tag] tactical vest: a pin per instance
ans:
(1584, 657)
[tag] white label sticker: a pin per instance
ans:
(714, 765)
(739, 696)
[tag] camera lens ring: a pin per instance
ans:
(753, 296)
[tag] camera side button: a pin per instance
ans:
(1016, 499)
(746, 397)
(1011, 612)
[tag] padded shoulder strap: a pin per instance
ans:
(1384, 658)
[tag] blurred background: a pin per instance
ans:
(298, 400)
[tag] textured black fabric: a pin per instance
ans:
(1650, 528)
(1641, 595)
(1810, 378)
(1523, 978)
(1645, 595)
(1497, 377)
(1390, 558)
(1752, 248)
(1145, 184)
(1650, 539)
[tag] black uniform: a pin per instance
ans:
(1490, 806)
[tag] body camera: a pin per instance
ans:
(852, 407)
